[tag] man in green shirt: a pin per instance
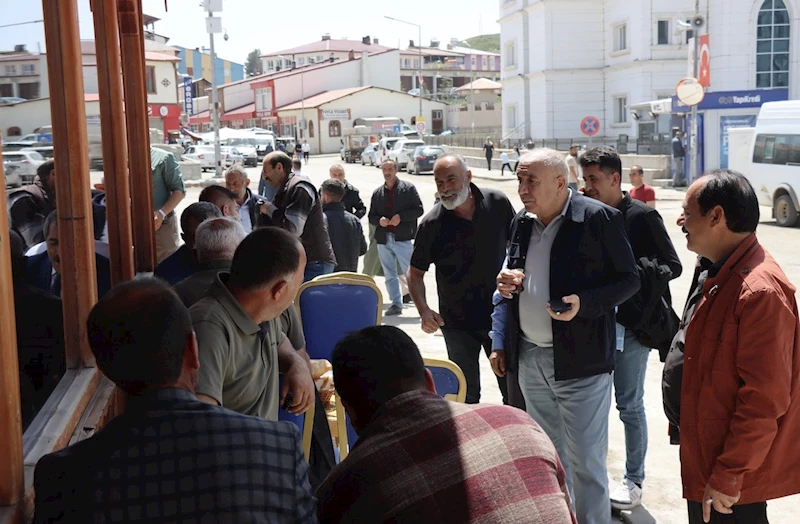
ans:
(168, 191)
(240, 361)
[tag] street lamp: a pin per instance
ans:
(471, 86)
(419, 47)
(302, 95)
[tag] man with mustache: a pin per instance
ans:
(465, 236)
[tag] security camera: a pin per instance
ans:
(225, 36)
(698, 22)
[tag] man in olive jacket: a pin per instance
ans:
(394, 211)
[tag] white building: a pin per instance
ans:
(23, 75)
(568, 59)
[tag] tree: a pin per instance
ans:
(252, 65)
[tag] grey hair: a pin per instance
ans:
(218, 238)
(458, 158)
(547, 157)
(237, 168)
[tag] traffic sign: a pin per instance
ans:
(421, 126)
(590, 126)
(396, 129)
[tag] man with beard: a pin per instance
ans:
(247, 203)
(465, 236)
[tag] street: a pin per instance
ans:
(663, 501)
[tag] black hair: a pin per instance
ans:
(605, 157)
(51, 219)
(44, 170)
(334, 188)
(733, 193)
(138, 334)
(297, 164)
(198, 213)
(281, 158)
(214, 193)
(375, 364)
(264, 256)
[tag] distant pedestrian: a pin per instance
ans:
(298, 151)
(346, 233)
(488, 149)
(506, 164)
(641, 191)
(297, 166)
(574, 168)
(517, 154)
(678, 156)
(352, 199)
(394, 210)
(306, 150)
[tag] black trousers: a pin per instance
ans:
(503, 169)
(464, 348)
(755, 513)
(489, 161)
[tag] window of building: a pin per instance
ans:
(264, 99)
(310, 129)
(621, 37)
(311, 60)
(28, 69)
(11, 69)
(320, 58)
(334, 129)
(301, 61)
(436, 115)
(772, 45)
(511, 116)
(484, 60)
(270, 65)
(662, 30)
(151, 80)
(472, 61)
(511, 58)
(406, 63)
(620, 109)
(29, 90)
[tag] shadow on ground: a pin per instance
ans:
(638, 515)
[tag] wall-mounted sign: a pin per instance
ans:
(335, 114)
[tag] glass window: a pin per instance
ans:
(511, 58)
(621, 37)
(663, 32)
(772, 45)
(151, 80)
(334, 129)
(621, 110)
(794, 150)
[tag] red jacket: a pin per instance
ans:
(740, 398)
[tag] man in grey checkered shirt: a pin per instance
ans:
(169, 457)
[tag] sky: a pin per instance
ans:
(274, 25)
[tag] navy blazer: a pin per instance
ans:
(39, 271)
(178, 266)
(591, 258)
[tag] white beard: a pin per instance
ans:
(460, 198)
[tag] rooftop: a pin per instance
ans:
(330, 45)
(323, 98)
(481, 84)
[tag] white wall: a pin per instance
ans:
(34, 114)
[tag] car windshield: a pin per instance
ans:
(410, 146)
(242, 142)
(36, 156)
(261, 141)
(433, 151)
(13, 158)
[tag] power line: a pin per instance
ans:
(22, 23)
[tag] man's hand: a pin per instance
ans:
(157, 220)
(395, 221)
(431, 321)
(719, 501)
(508, 280)
(498, 361)
(566, 316)
(298, 380)
(384, 222)
(265, 208)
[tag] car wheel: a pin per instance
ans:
(785, 212)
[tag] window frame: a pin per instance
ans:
(668, 34)
(623, 111)
(511, 111)
(620, 37)
(150, 80)
(772, 76)
(334, 129)
(510, 55)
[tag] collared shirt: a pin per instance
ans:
(468, 254)
(244, 215)
(171, 458)
(424, 459)
(238, 360)
(536, 325)
(167, 176)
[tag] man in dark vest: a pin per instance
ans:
(297, 209)
(29, 206)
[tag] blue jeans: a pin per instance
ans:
(678, 179)
(630, 369)
(315, 269)
(392, 254)
(574, 414)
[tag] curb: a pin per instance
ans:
(205, 182)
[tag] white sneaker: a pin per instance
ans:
(626, 495)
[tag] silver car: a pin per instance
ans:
(24, 162)
(247, 147)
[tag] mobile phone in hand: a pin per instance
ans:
(559, 306)
(287, 401)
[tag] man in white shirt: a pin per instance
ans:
(574, 168)
(306, 150)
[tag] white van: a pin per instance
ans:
(769, 155)
(384, 146)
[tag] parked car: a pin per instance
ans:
(8, 100)
(384, 146)
(25, 163)
(47, 152)
(369, 154)
(16, 145)
(402, 149)
(423, 158)
(205, 155)
(12, 175)
(247, 147)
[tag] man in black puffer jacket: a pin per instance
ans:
(347, 235)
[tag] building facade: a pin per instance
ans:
(23, 75)
(564, 60)
(197, 64)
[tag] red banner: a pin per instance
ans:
(705, 62)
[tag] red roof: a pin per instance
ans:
(320, 46)
(242, 112)
(323, 98)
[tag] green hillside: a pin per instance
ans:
(489, 43)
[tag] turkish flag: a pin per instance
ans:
(705, 62)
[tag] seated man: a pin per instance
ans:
(169, 457)
(43, 270)
(423, 459)
(40, 337)
(180, 264)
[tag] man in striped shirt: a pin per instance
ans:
(423, 459)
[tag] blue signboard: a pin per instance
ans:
(396, 129)
(734, 100)
(188, 99)
(731, 122)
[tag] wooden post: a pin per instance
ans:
(11, 472)
(138, 127)
(115, 148)
(73, 195)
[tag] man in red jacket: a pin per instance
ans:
(732, 377)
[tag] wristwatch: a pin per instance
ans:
(163, 215)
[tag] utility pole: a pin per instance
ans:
(419, 49)
(693, 141)
(214, 97)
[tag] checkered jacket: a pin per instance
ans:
(424, 459)
(171, 458)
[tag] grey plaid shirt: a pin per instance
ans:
(171, 458)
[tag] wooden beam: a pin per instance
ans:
(73, 194)
(115, 148)
(138, 127)
(11, 472)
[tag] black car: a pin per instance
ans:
(423, 159)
